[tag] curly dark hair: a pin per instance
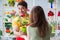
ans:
(23, 3)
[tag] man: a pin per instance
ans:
(21, 20)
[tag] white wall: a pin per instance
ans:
(1, 14)
(43, 3)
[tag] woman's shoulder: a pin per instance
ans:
(28, 27)
(31, 27)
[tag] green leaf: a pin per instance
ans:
(6, 19)
(51, 1)
(8, 25)
(8, 16)
(4, 4)
(11, 33)
(0, 32)
(24, 23)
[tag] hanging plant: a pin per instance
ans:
(51, 1)
(11, 2)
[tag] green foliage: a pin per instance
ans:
(23, 29)
(11, 33)
(6, 19)
(0, 32)
(8, 25)
(11, 2)
(8, 16)
(51, 1)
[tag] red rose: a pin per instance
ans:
(50, 13)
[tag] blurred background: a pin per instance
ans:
(51, 9)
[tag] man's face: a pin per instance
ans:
(22, 9)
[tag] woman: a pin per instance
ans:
(39, 28)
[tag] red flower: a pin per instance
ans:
(50, 13)
(59, 13)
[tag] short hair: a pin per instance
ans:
(23, 3)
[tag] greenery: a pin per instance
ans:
(51, 1)
(11, 2)
(8, 16)
(6, 19)
(0, 32)
(8, 25)
(11, 33)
